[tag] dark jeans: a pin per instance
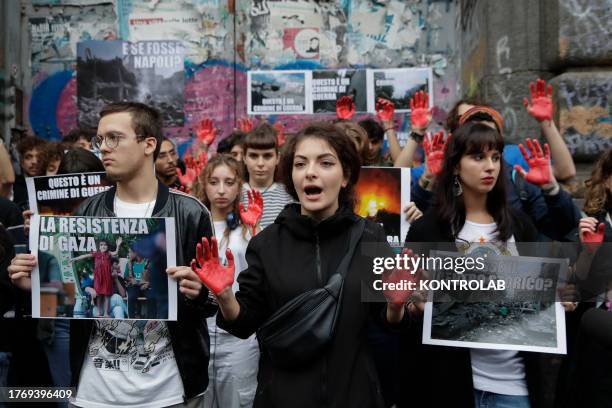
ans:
(134, 292)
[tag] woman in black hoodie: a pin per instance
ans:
(299, 252)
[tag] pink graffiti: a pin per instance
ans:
(66, 113)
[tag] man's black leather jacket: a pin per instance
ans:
(189, 334)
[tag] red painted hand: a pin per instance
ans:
(252, 214)
(280, 138)
(420, 114)
(434, 152)
(207, 132)
(400, 295)
(245, 125)
(209, 269)
(345, 107)
(384, 110)
(188, 178)
(540, 170)
(541, 107)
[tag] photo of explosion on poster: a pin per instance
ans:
(151, 72)
(380, 193)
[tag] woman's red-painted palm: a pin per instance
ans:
(207, 132)
(420, 114)
(540, 170)
(434, 152)
(245, 125)
(385, 110)
(541, 107)
(597, 237)
(252, 214)
(345, 107)
(280, 138)
(213, 274)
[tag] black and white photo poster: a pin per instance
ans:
(330, 85)
(278, 92)
(398, 85)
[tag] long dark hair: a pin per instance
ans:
(468, 139)
(597, 195)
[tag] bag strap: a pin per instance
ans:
(356, 233)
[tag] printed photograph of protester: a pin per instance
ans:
(522, 316)
(278, 92)
(103, 268)
(151, 72)
(330, 85)
(398, 85)
(379, 193)
(62, 194)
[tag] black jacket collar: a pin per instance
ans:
(307, 227)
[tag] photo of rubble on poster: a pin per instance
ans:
(398, 85)
(526, 315)
(330, 85)
(151, 72)
(278, 92)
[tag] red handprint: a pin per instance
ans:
(280, 138)
(541, 107)
(193, 169)
(213, 274)
(252, 214)
(420, 114)
(540, 171)
(434, 152)
(207, 132)
(245, 125)
(345, 107)
(404, 281)
(384, 110)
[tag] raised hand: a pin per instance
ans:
(434, 152)
(245, 125)
(280, 138)
(252, 214)
(541, 107)
(540, 170)
(209, 269)
(385, 110)
(401, 276)
(345, 107)
(206, 132)
(420, 114)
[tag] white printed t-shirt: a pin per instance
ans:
(130, 363)
(497, 371)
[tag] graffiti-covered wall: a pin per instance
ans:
(223, 39)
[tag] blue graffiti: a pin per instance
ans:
(43, 104)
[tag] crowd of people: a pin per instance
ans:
(269, 271)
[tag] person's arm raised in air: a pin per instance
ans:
(541, 109)
(420, 118)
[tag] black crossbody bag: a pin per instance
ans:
(301, 330)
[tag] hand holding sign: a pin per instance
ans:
(420, 115)
(210, 270)
(541, 107)
(252, 214)
(345, 108)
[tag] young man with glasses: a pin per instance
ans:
(141, 363)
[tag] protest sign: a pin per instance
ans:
(62, 194)
(92, 267)
(518, 312)
(151, 72)
(381, 192)
(398, 85)
(330, 85)
(278, 92)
